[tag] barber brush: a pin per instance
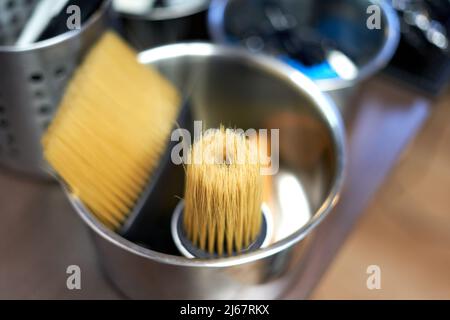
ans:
(108, 139)
(222, 213)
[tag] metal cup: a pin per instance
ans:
(32, 82)
(344, 23)
(167, 23)
(233, 87)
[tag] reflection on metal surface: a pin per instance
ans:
(151, 56)
(295, 211)
(342, 65)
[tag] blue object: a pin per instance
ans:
(315, 72)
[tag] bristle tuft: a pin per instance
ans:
(223, 193)
(111, 129)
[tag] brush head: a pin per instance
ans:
(111, 129)
(223, 193)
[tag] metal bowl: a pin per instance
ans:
(233, 87)
(341, 22)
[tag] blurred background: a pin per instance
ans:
(385, 64)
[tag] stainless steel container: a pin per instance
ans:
(233, 87)
(13, 16)
(344, 22)
(169, 22)
(32, 82)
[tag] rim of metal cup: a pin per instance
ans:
(381, 59)
(174, 12)
(186, 248)
(63, 37)
(292, 77)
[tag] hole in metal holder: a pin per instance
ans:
(188, 250)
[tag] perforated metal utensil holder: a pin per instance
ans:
(33, 79)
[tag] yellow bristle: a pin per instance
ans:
(111, 129)
(223, 194)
